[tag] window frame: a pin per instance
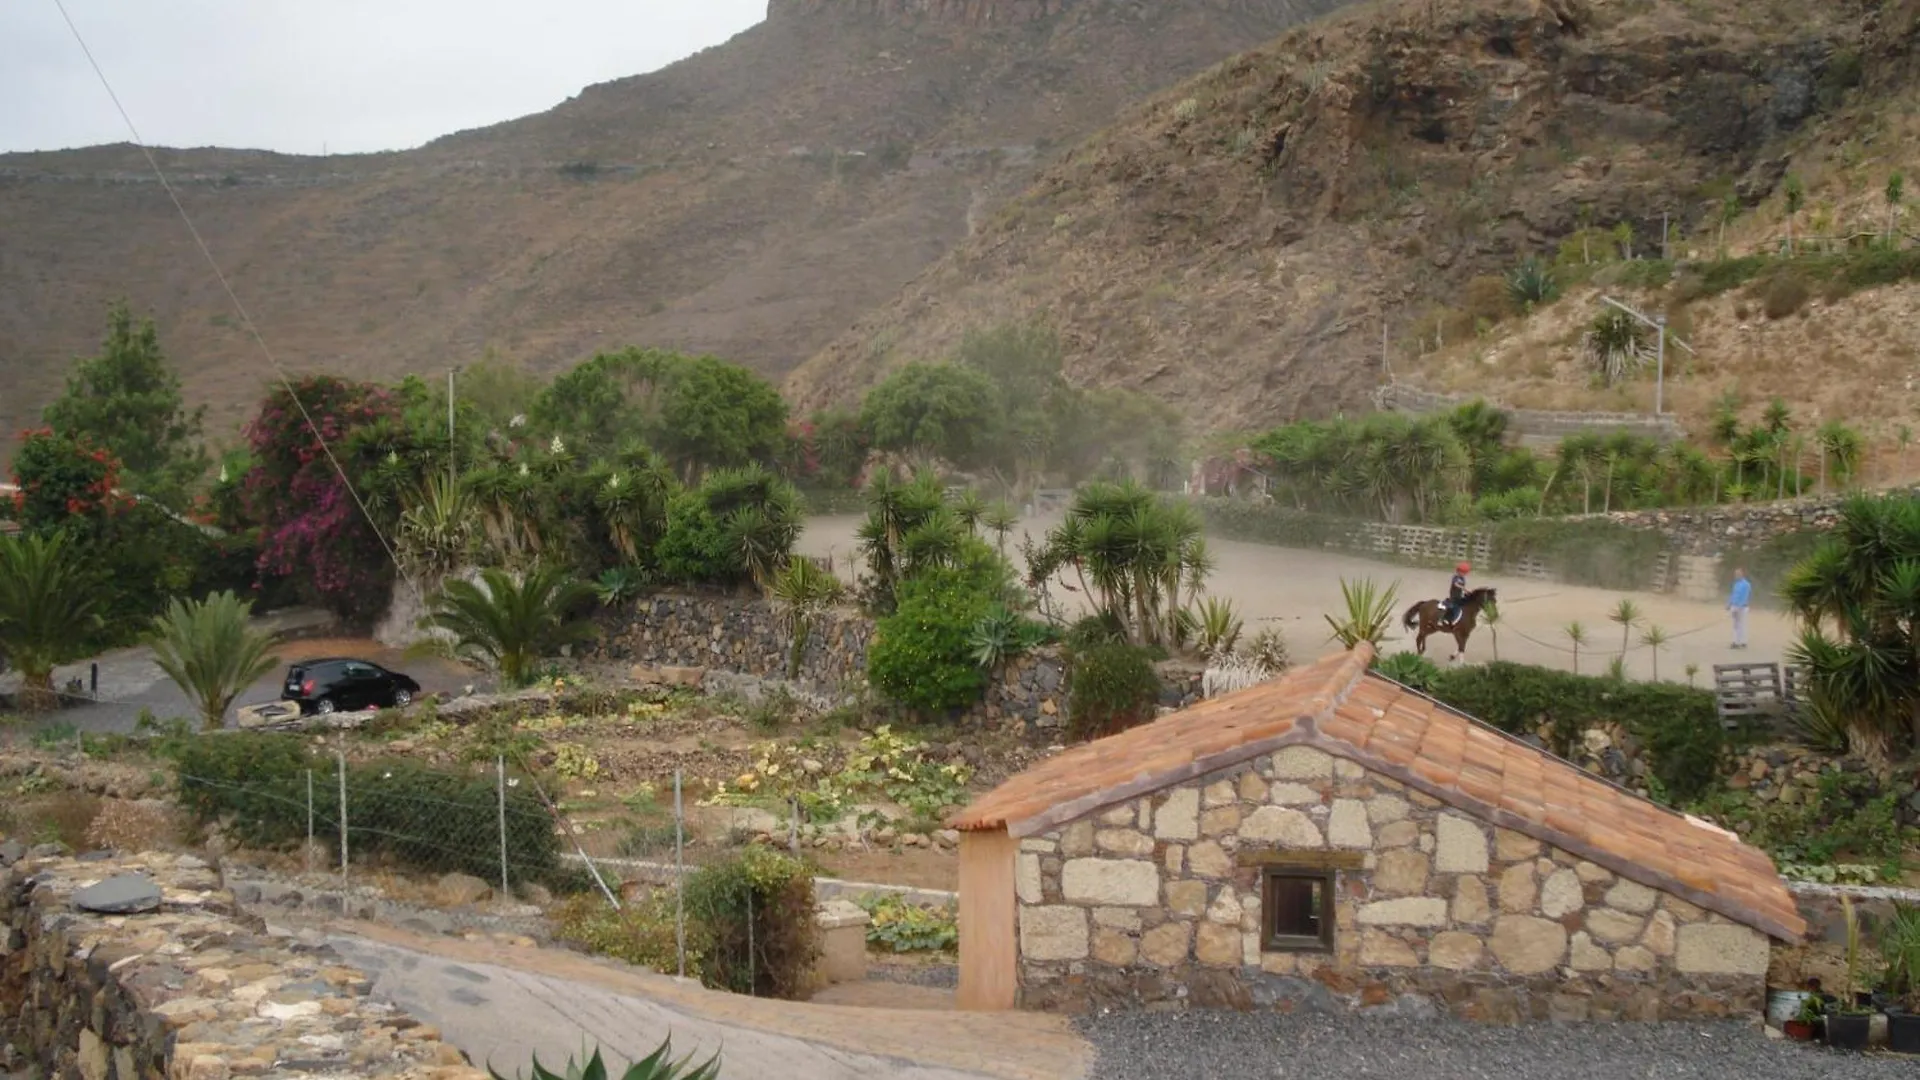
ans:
(1326, 880)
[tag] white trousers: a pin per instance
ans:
(1739, 625)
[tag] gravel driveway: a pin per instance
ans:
(1245, 1046)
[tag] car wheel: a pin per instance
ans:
(324, 707)
(402, 698)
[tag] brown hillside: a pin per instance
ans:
(1237, 244)
(751, 200)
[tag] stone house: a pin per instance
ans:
(1332, 839)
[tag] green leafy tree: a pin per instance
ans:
(738, 526)
(48, 610)
(127, 400)
(511, 625)
(1858, 595)
(704, 413)
(922, 655)
(934, 411)
(211, 651)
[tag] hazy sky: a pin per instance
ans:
(346, 75)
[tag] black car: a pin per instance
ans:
(343, 685)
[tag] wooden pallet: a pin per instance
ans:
(1747, 692)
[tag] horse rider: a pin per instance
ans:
(1456, 593)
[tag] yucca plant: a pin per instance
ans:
(210, 651)
(801, 590)
(658, 1065)
(1615, 343)
(1369, 612)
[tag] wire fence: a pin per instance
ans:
(634, 883)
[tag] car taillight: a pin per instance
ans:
(307, 687)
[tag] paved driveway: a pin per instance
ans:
(501, 1004)
(131, 682)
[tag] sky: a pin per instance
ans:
(333, 76)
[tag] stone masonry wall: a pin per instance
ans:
(191, 989)
(743, 635)
(1149, 904)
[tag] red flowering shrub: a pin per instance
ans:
(311, 529)
(61, 478)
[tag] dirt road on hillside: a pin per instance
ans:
(1292, 589)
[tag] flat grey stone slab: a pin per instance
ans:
(122, 894)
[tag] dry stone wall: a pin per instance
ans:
(744, 636)
(180, 984)
(1157, 903)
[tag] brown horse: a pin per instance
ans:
(1426, 615)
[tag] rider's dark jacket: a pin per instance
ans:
(1459, 590)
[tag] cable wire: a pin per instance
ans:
(246, 318)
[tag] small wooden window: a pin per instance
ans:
(1297, 909)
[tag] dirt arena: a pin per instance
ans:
(1293, 589)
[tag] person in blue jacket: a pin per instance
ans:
(1737, 603)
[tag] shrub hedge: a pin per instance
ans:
(430, 819)
(756, 911)
(1685, 743)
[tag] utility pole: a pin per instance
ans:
(1659, 325)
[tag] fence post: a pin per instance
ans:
(340, 756)
(500, 765)
(753, 957)
(679, 880)
(309, 852)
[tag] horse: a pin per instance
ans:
(1426, 615)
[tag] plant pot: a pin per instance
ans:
(1798, 1030)
(1903, 1033)
(1848, 1031)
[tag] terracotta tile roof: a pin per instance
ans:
(1336, 705)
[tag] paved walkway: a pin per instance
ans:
(501, 1004)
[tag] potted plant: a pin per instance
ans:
(1900, 947)
(1802, 1027)
(1850, 1020)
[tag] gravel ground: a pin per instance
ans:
(1243, 1046)
(940, 976)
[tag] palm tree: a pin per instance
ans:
(1578, 635)
(48, 607)
(1865, 580)
(211, 651)
(1369, 613)
(510, 624)
(801, 591)
(1627, 614)
(1692, 671)
(1655, 638)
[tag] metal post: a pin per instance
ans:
(341, 757)
(309, 821)
(93, 680)
(753, 970)
(679, 879)
(1660, 363)
(450, 470)
(500, 766)
(1665, 252)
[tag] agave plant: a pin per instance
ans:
(619, 585)
(440, 529)
(658, 1065)
(1218, 626)
(1532, 283)
(1410, 670)
(1369, 612)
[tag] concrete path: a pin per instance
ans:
(501, 1004)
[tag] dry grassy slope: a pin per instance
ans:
(702, 230)
(1235, 244)
(1854, 358)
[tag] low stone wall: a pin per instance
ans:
(315, 898)
(1715, 531)
(1534, 425)
(179, 983)
(743, 636)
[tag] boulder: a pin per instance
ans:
(122, 894)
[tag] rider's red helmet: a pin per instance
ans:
(1465, 568)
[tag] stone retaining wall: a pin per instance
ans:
(742, 635)
(1158, 903)
(1534, 425)
(188, 988)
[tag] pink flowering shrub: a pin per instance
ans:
(311, 529)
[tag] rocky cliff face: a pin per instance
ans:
(977, 12)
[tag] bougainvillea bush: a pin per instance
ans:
(311, 528)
